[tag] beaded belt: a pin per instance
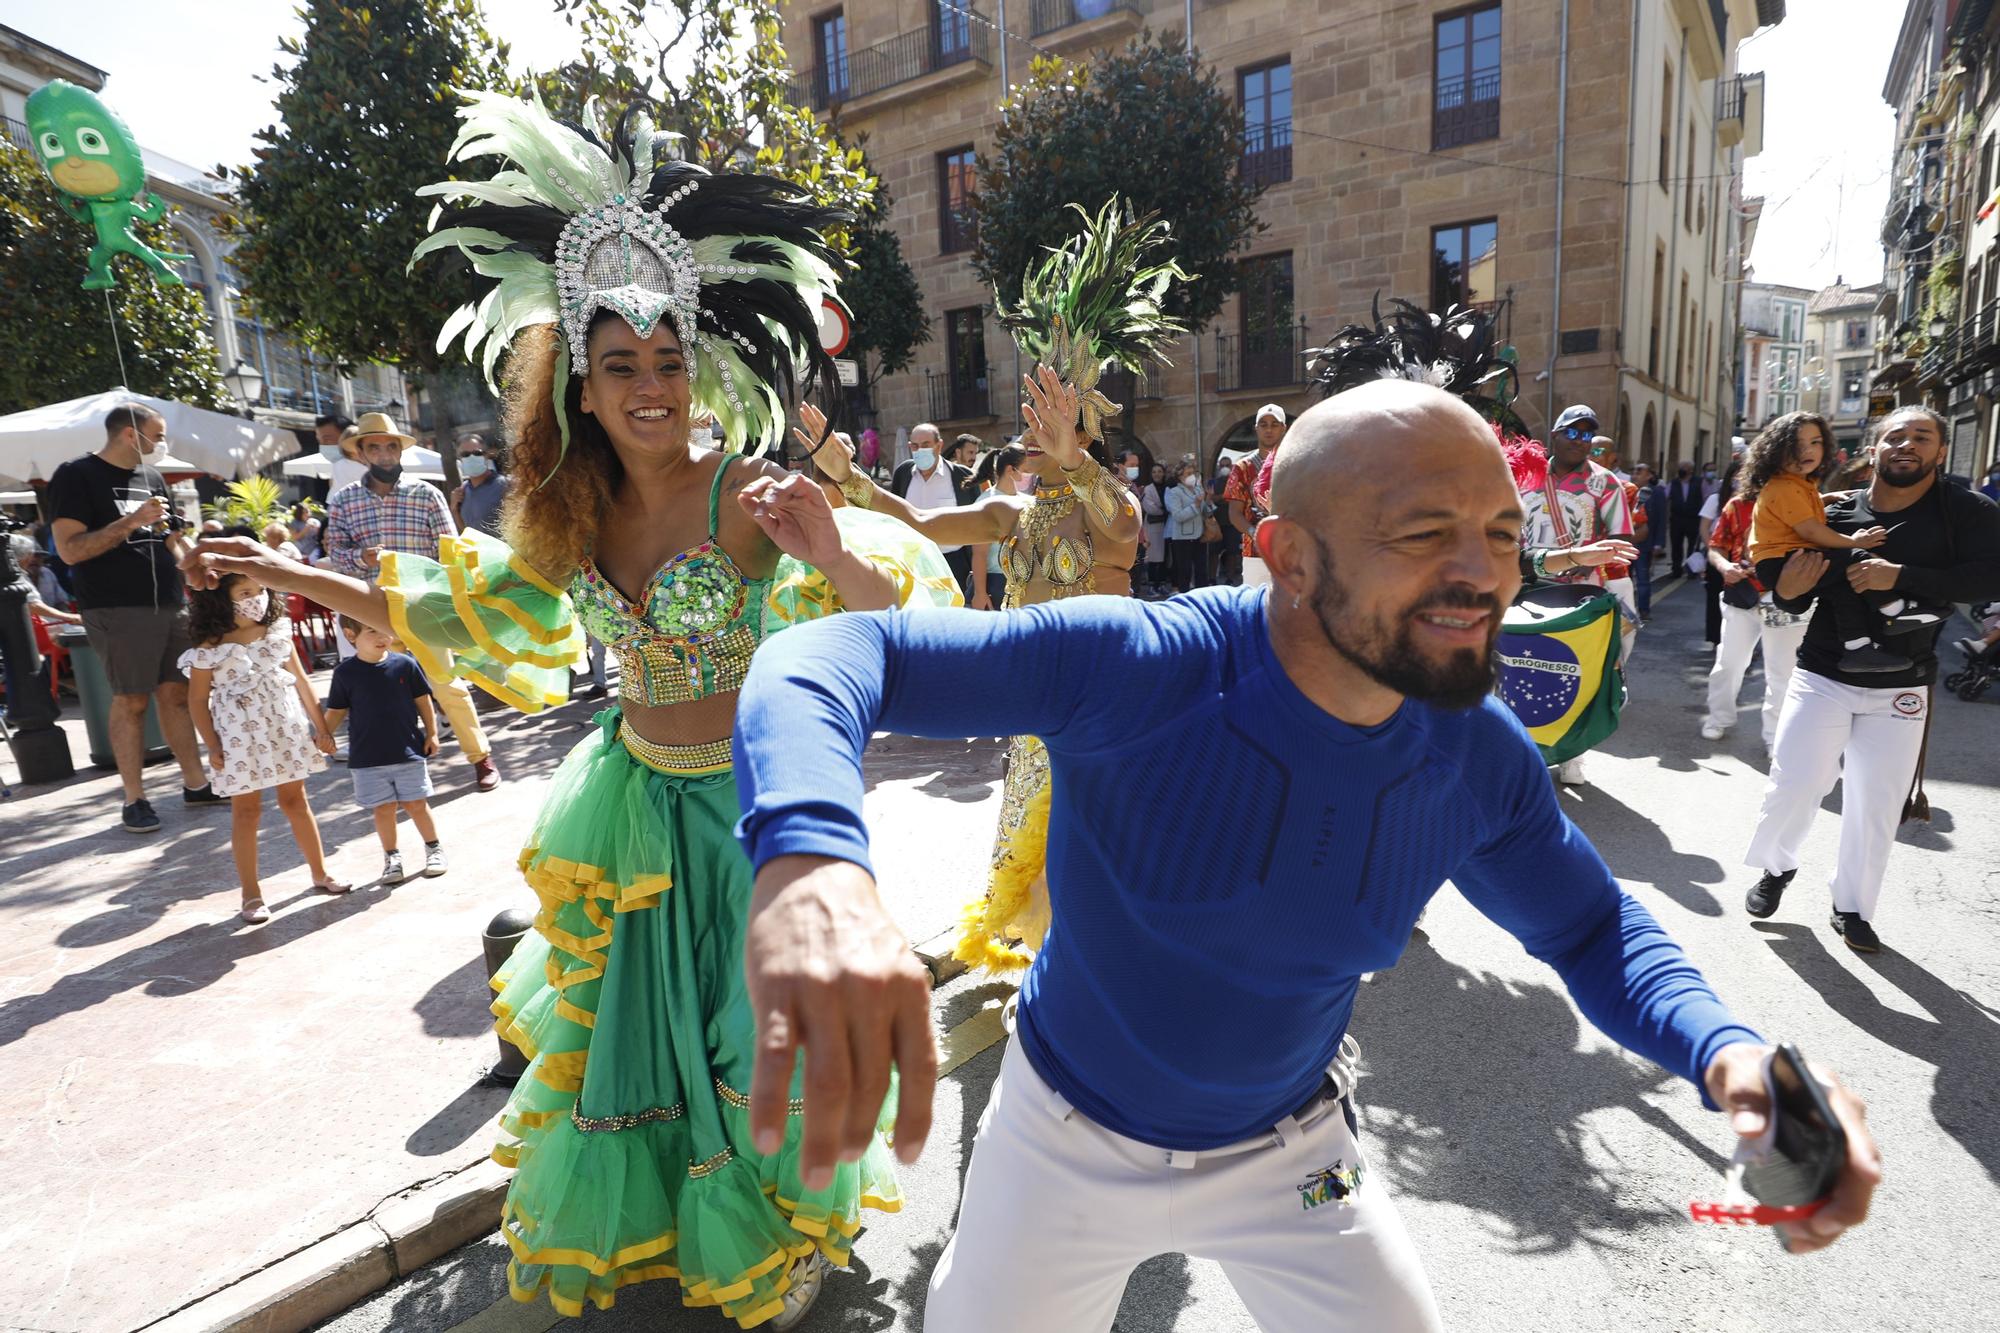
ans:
(681, 760)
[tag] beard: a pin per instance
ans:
(1912, 474)
(1391, 657)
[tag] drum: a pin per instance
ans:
(1558, 666)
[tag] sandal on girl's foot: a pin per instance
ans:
(808, 1278)
(255, 912)
(332, 888)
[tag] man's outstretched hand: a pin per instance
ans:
(1735, 1080)
(829, 973)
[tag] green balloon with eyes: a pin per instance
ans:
(93, 159)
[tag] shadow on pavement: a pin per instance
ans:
(1961, 1036)
(463, 1118)
(1477, 1098)
(1639, 852)
(457, 1005)
(179, 964)
(959, 770)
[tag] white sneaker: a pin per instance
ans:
(392, 869)
(434, 863)
(1711, 732)
(1570, 774)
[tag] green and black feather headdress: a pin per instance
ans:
(580, 220)
(1098, 299)
(1457, 351)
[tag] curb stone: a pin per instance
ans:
(324, 1279)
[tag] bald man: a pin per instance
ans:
(1182, 1079)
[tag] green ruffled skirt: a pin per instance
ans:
(630, 1133)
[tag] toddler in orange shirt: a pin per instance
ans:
(1782, 474)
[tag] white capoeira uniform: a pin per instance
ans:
(1742, 632)
(1879, 733)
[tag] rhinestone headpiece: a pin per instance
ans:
(625, 257)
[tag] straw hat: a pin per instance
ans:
(379, 423)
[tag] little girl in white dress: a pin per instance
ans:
(256, 713)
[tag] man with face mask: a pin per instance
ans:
(336, 445)
(116, 530)
(930, 481)
(386, 514)
(1205, 1104)
(476, 504)
(1868, 730)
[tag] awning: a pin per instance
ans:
(34, 443)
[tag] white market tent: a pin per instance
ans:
(418, 462)
(34, 443)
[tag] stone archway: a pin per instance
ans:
(1649, 443)
(1674, 445)
(1623, 433)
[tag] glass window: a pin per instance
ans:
(1268, 323)
(1266, 93)
(965, 355)
(958, 224)
(1464, 264)
(830, 40)
(1465, 106)
(953, 28)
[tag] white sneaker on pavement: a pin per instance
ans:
(392, 869)
(434, 862)
(1570, 774)
(1711, 732)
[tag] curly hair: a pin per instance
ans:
(1776, 445)
(551, 513)
(212, 611)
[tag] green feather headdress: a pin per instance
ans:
(579, 220)
(1097, 299)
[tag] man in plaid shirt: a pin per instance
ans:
(383, 512)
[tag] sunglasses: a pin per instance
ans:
(1580, 432)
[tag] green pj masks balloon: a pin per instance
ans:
(91, 156)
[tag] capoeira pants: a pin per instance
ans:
(1058, 1211)
(1742, 631)
(1878, 734)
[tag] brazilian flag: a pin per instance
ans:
(1558, 656)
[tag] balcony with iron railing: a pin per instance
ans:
(1466, 110)
(1127, 390)
(1260, 359)
(962, 39)
(17, 131)
(955, 398)
(1267, 153)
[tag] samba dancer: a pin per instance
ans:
(635, 299)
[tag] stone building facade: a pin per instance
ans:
(1774, 353)
(1434, 150)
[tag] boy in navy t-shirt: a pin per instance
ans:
(391, 726)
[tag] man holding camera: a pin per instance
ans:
(116, 530)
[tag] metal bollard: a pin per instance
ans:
(502, 933)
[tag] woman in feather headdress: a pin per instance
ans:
(633, 297)
(1094, 301)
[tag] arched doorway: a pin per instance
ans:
(1623, 432)
(1674, 445)
(1649, 443)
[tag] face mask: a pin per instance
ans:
(925, 459)
(252, 609)
(1131, 474)
(473, 466)
(331, 453)
(389, 475)
(1192, 483)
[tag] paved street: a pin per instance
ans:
(191, 1099)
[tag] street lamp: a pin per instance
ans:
(1938, 326)
(246, 382)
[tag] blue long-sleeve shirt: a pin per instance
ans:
(1194, 985)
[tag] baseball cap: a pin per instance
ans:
(1271, 410)
(1575, 413)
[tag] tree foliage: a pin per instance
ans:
(882, 293)
(57, 336)
(367, 113)
(1150, 123)
(719, 76)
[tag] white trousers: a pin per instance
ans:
(1058, 1211)
(1742, 631)
(1256, 574)
(1877, 732)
